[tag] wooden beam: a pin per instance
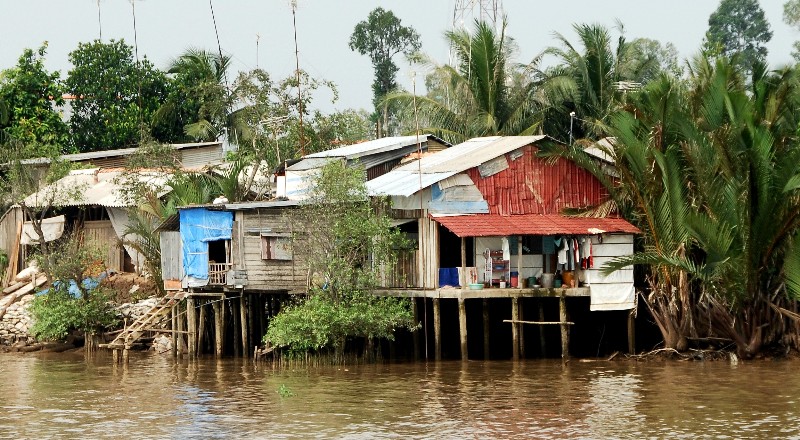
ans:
(415, 334)
(437, 329)
(562, 308)
(486, 329)
(514, 321)
(521, 328)
(462, 325)
(174, 328)
(201, 332)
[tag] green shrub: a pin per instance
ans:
(57, 313)
(320, 321)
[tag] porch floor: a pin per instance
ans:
(459, 293)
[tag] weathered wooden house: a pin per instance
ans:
(488, 214)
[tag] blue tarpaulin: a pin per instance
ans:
(89, 283)
(198, 227)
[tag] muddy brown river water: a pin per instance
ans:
(58, 396)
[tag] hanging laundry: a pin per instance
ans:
(561, 245)
(548, 245)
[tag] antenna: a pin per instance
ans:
(258, 37)
(99, 22)
(470, 10)
(293, 4)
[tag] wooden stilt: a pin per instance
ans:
(562, 308)
(125, 356)
(219, 327)
(515, 329)
(462, 324)
(463, 280)
(486, 329)
(191, 324)
(174, 328)
(201, 329)
(415, 334)
(243, 311)
(182, 329)
(437, 329)
(632, 332)
(542, 339)
(237, 330)
(251, 322)
(115, 355)
(520, 313)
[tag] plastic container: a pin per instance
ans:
(531, 282)
(547, 279)
(476, 286)
(502, 284)
(568, 277)
(514, 279)
(556, 283)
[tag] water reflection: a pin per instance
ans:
(157, 397)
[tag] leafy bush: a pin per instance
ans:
(320, 321)
(57, 313)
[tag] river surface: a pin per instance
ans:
(154, 396)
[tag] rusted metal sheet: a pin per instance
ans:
(498, 225)
(533, 185)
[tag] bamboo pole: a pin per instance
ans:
(462, 325)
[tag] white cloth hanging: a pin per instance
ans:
(506, 249)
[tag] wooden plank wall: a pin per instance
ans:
(8, 229)
(171, 255)
(428, 276)
(101, 234)
(266, 274)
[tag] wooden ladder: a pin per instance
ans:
(128, 336)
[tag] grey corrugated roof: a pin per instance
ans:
(94, 187)
(371, 147)
(78, 157)
(405, 181)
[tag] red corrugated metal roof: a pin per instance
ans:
(495, 225)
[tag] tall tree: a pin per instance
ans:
(739, 27)
(791, 16)
(381, 36)
(28, 93)
(485, 94)
(115, 96)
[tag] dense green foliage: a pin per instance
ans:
(28, 93)
(115, 95)
(381, 36)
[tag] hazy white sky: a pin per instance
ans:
(167, 27)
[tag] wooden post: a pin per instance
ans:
(437, 329)
(191, 324)
(486, 329)
(251, 324)
(181, 328)
(463, 279)
(520, 312)
(519, 262)
(542, 340)
(562, 308)
(515, 328)
(243, 311)
(632, 332)
(415, 334)
(237, 331)
(462, 324)
(219, 327)
(201, 329)
(174, 327)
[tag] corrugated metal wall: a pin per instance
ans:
(530, 185)
(101, 234)
(198, 157)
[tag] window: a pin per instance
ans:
(275, 247)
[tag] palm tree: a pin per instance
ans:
(202, 100)
(713, 174)
(590, 80)
(484, 94)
